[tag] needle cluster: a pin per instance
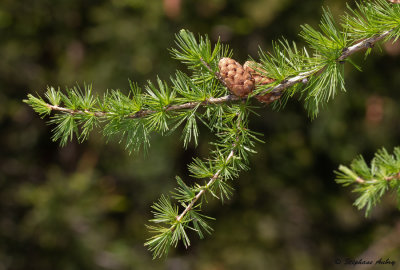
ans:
(372, 182)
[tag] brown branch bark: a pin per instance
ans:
(363, 44)
(145, 112)
(388, 178)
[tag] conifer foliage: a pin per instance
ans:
(371, 182)
(218, 92)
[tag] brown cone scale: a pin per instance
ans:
(237, 79)
(260, 79)
(267, 98)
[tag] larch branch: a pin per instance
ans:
(201, 192)
(275, 92)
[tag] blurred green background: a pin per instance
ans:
(84, 206)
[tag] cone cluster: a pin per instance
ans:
(241, 80)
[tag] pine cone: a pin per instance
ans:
(236, 78)
(267, 98)
(260, 79)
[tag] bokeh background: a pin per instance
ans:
(84, 206)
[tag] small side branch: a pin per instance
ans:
(201, 192)
(210, 182)
(376, 179)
